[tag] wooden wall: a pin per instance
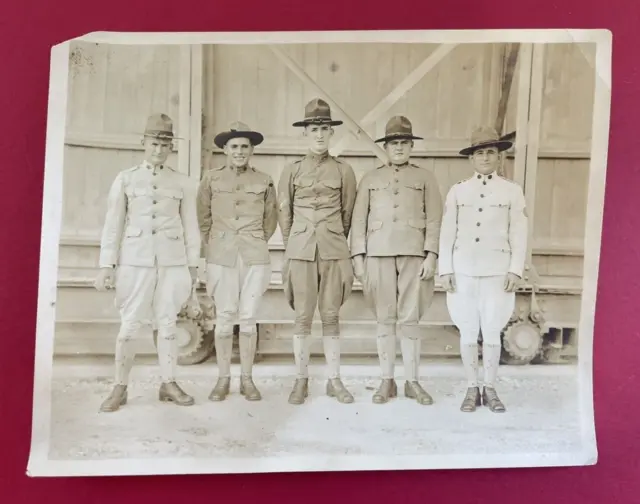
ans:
(112, 91)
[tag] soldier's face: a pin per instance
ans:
(486, 160)
(238, 151)
(318, 136)
(156, 150)
(399, 151)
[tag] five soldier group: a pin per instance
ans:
(391, 232)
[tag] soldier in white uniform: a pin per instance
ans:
(483, 246)
(237, 212)
(149, 252)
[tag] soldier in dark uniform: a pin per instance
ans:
(316, 195)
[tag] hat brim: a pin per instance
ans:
(254, 137)
(308, 122)
(162, 136)
(388, 138)
(502, 145)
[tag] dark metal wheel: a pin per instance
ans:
(521, 342)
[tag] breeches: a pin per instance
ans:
(156, 294)
(236, 292)
(325, 283)
(480, 303)
(393, 289)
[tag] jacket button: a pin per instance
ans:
(153, 232)
(155, 202)
(477, 239)
(482, 195)
(479, 209)
(477, 223)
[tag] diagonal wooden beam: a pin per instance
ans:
(512, 60)
(354, 126)
(401, 89)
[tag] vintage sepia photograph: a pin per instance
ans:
(320, 251)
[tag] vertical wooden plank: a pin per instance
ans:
(195, 126)
(184, 109)
(522, 113)
(533, 134)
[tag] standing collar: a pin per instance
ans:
(148, 166)
(484, 178)
(317, 157)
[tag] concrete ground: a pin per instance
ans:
(542, 415)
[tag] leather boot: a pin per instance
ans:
(490, 398)
(171, 392)
(472, 400)
(221, 390)
(336, 389)
(248, 389)
(387, 389)
(300, 391)
(117, 398)
(413, 390)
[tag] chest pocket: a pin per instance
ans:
(255, 190)
(136, 192)
(169, 193)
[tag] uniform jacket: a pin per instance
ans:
(151, 219)
(398, 212)
(316, 196)
(484, 228)
(237, 215)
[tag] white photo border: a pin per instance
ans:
(39, 463)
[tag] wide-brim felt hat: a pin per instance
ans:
(398, 128)
(160, 126)
(238, 130)
(485, 137)
(317, 111)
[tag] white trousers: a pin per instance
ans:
(237, 292)
(480, 303)
(145, 296)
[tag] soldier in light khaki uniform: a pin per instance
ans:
(394, 244)
(237, 215)
(149, 252)
(483, 246)
(316, 196)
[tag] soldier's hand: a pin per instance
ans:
(358, 267)
(448, 283)
(428, 268)
(193, 271)
(511, 282)
(105, 279)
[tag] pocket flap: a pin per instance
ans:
(417, 223)
(298, 227)
(375, 225)
(255, 188)
(378, 185)
(335, 226)
(173, 234)
(169, 193)
(332, 183)
(257, 234)
(418, 186)
(133, 231)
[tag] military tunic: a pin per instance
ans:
(483, 237)
(237, 214)
(151, 234)
(316, 196)
(396, 222)
(151, 237)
